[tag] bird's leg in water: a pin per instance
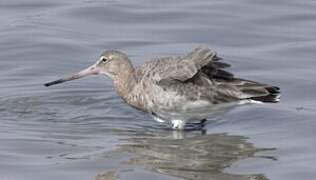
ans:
(197, 125)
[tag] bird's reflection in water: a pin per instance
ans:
(190, 155)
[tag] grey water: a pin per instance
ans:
(83, 130)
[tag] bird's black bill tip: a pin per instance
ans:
(58, 81)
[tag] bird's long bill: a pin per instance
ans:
(88, 71)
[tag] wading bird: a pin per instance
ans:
(178, 89)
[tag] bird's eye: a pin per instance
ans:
(104, 60)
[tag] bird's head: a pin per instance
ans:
(111, 63)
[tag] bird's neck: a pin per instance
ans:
(125, 82)
(127, 88)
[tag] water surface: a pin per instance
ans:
(83, 130)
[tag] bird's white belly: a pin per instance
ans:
(171, 107)
(193, 111)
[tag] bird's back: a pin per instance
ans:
(196, 82)
(201, 69)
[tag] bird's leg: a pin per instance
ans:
(156, 118)
(203, 123)
(197, 125)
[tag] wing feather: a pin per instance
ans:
(196, 69)
(200, 59)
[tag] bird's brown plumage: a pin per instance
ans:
(179, 88)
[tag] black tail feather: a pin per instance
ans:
(272, 97)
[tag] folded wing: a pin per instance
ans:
(203, 63)
(200, 59)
